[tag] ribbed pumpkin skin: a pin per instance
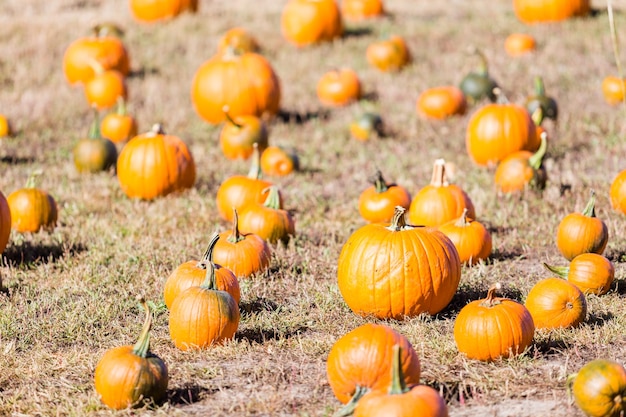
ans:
(201, 317)
(555, 303)
(393, 274)
(245, 82)
(247, 257)
(599, 388)
(434, 206)
(271, 224)
(497, 130)
(378, 207)
(154, 165)
(32, 209)
(471, 239)
(305, 22)
(539, 11)
(5, 222)
(578, 234)
(237, 192)
(123, 379)
(419, 401)
(356, 10)
(441, 102)
(591, 273)
(109, 51)
(362, 358)
(618, 192)
(388, 54)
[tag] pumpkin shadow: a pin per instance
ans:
(467, 294)
(620, 286)
(598, 320)
(357, 32)
(549, 347)
(615, 256)
(16, 160)
(257, 305)
(289, 117)
(260, 336)
(504, 255)
(28, 253)
(188, 395)
(142, 72)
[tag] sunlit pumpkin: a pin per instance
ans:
(5, 127)
(522, 169)
(441, 102)
(590, 272)
(5, 222)
(239, 134)
(613, 89)
(32, 208)
(389, 54)
(378, 202)
(149, 11)
(239, 39)
(599, 388)
(104, 89)
(119, 126)
(306, 22)
(367, 125)
(277, 161)
(471, 239)
(268, 220)
(339, 87)
(617, 192)
(555, 303)
(517, 44)
(540, 11)
(356, 10)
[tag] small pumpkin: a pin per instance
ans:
(105, 88)
(306, 22)
(617, 192)
(239, 39)
(357, 10)
(94, 153)
(613, 89)
(246, 254)
(5, 127)
(268, 220)
(119, 126)
(555, 303)
(548, 105)
(441, 102)
(339, 87)
(582, 232)
(471, 239)
(377, 203)
(277, 161)
(5, 224)
(202, 316)
(599, 388)
(366, 125)
(193, 273)
(590, 272)
(493, 328)
(239, 134)
(155, 164)
(517, 44)
(32, 208)
(132, 376)
(387, 55)
(522, 169)
(542, 11)
(439, 202)
(478, 84)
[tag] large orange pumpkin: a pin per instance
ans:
(355, 10)
(618, 192)
(556, 303)
(397, 270)
(539, 11)
(5, 222)
(305, 22)
(590, 272)
(599, 388)
(243, 81)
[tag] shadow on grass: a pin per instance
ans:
(187, 395)
(505, 255)
(262, 335)
(550, 347)
(29, 253)
(357, 32)
(466, 294)
(141, 73)
(257, 305)
(616, 256)
(16, 160)
(597, 320)
(287, 116)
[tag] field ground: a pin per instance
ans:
(69, 295)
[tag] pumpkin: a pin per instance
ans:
(359, 362)
(497, 130)
(617, 192)
(239, 190)
(339, 87)
(582, 232)
(243, 81)
(306, 22)
(590, 272)
(149, 11)
(94, 153)
(356, 10)
(155, 164)
(119, 126)
(478, 84)
(105, 88)
(471, 239)
(193, 273)
(239, 39)
(238, 135)
(540, 11)
(5, 127)
(388, 271)
(366, 125)
(268, 220)
(5, 224)
(389, 54)
(522, 169)
(132, 376)
(599, 388)
(439, 202)
(32, 208)
(554, 303)
(517, 44)
(400, 400)
(108, 51)
(441, 102)
(613, 89)
(548, 105)
(277, 161)
(202, 316)
(246, 254)
(377, 203)
(493, 328)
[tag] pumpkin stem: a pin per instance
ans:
(491, 294)
(537, 116)
(535, 160)
(348, 409)
(157, 129)
(235, 236)
(142, 347)
(569, 382)
(483, 66)
(255, 167)
(273, 197)
(208, 253)
(501, 98)
(107, 29)
(121, 106)
(31, 182)
(560, 271)
(540, 89)
(96, 66)
(231, 53)
(462, 221)
(398, 386)
(398, 221)
(379, 182)
(209, 278)
(94, 129)
(226, 109)
(439, 178)
(590, 208)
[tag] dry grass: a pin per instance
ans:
(70, 294)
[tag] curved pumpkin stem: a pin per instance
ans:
(273, 197)
(379, 182)
(121, 106)
(491, 299)
(439, 178)
(226, 109)
(209, 278)
(235, 236)
(348, 409)
(398, 386)
(540, 89)
(535, 160)
(590, 208)
(501, 98)
(107, 29)
(462, 221)
(537, 116)
(207, 258)
(94, 129)
(31, 182)
(560, 271)
(142, 347)
(483, 66)
(255, 167)
(398, 221)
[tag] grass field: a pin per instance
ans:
(69, 295)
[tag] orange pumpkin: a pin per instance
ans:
(471, 239)
(493, 328)
(306, 22)
(367, 125)
(389, 54)
(32, 208)
(439, 202)
(5, 127)
(119, 126)
(239, 39)
(243, 81)
(582, 232)
(385, 270)
(268, 220)
(377, 203)
(277, 161)
(149, 11)
(441, 102)
(356, 10)
(554, 303)
(599, 388)
(613, 89)
(155, 164)
(517, 44)
(5, 223)
(238, 136)
(105, 88)
(540, 11)
(338, 88)
(522, 169)
(590, 272)
(618, 192)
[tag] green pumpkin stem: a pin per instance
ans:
(235, 236)
(535, 160)
(491, 299)
(121, 106)
(209, 278)
(226, 109)
(537, 116)
(560, 271)
(273, 197)
(462, 221)
(483, 66)
(142, 347)
(31, 182)
(255, 168)
(540, 89)
(208, 253)
(398, 386)
(379, 182)
(348, 408)
(96, 66)
(94, 129)
(439, 178)
(590, 208)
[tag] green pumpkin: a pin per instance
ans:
(549, 108)
(94, 153)
(478, 84)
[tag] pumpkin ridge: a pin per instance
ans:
(420, 267)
